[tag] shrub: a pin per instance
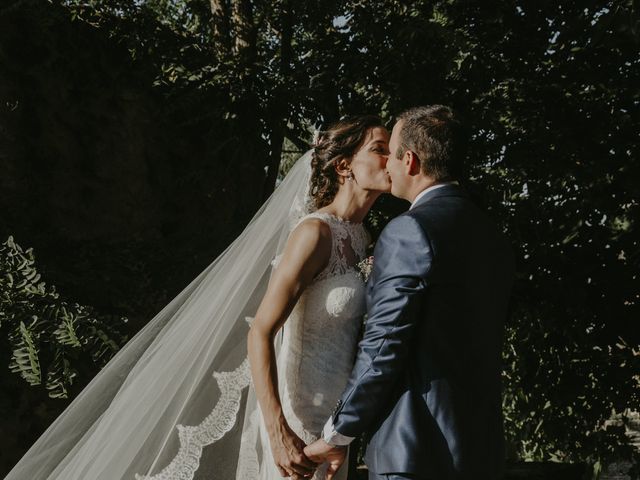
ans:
(50, 338)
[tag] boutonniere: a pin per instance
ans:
(365, 268)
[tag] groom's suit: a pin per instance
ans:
(425, 387)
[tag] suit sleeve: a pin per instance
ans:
(402, 260)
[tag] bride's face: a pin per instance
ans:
(369, 163)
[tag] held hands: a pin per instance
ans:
(320, 452)
(288, 453)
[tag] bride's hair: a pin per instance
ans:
(340, 141)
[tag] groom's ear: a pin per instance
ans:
(412, 162)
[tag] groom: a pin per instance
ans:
(425, 387)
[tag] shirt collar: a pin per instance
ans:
(428, 189)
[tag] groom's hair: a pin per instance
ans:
(436, 135)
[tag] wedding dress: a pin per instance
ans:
(318, 348)
(175, 403)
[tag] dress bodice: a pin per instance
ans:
(336, 291)
(348, 246)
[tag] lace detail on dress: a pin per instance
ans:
(350, 241)
(222, 419)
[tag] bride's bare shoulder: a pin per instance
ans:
(306, 253)
(312, 232)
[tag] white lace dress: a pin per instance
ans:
(320, 340)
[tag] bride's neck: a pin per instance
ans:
(351, 204)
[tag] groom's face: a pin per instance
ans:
(395, 165)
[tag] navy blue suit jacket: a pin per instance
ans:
(425, 388)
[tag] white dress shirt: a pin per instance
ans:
(333, 437)
(329, 433)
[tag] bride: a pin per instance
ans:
(174, 403)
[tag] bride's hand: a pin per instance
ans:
(288, 453)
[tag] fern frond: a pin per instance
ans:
(66, 332)
(60, 375)
(25, 360)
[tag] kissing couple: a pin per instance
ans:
(409, 360)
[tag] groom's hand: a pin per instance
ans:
(320, 452)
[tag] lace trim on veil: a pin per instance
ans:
(220, 421)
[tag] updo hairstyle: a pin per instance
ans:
(342, 140)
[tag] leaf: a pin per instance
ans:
(25, 358)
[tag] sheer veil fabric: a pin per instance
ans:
(174, 403)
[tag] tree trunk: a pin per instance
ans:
(220, 20)
(244, 47)
(280, 108)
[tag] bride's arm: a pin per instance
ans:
(306, 253)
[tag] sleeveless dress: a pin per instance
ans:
(319, 344)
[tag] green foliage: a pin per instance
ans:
(49, 337)
(563, 388)
(550, 92)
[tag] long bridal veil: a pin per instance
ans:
(174, 402)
